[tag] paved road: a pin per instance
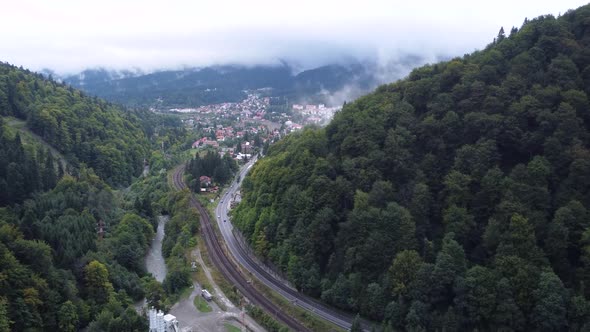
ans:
(226, 266)
(191, 319)
(264, 274)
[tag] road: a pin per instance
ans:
(223, 263)
(264, 274)
(190, 319)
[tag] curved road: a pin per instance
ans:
(225, 265)
(257, 268)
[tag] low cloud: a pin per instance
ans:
(69, 35)
(376, 71)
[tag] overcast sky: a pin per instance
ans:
(68, 36)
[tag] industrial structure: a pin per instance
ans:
(162, 323)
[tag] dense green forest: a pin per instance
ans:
(454, 199)
(211, 164)
(55, 273)
(23, 169)
(72, 248)
(180, 231)
(86, 130)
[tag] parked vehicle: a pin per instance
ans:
(206, 295)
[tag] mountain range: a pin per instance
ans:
(192, 86)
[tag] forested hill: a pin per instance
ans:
(193, 87)
(72, 249)
(86, 130)
(454, 199)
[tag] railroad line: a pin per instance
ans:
(225, 265)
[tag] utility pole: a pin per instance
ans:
(243, 327)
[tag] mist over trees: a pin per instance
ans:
(455, 199)
(192, 87)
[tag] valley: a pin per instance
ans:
(379, 189)
(195, 87)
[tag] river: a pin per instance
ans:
(154, 261)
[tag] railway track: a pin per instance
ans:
(239, 252)
(226, 266)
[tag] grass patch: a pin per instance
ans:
(200, 277)
(306, 318)
(227, 289)
(188, 154)
(231, 328)
(28, 137)
(170, 177)
(264, 319)
(219, 302)
(15, 122)
(205, 200)
(186, 292)
(202, 305)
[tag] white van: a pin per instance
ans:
(206, 295)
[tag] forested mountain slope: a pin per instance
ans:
(23, 170)
(193, 87)
(456, 198)
(89, 130)
(71, 249)
(55, 273)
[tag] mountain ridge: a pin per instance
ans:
(196, 86)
